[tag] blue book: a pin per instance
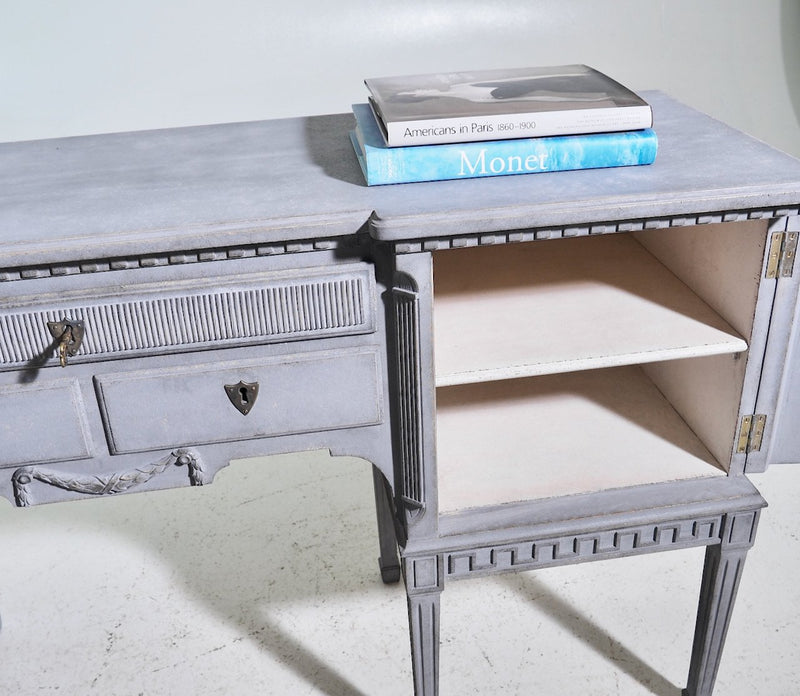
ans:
(398, 165)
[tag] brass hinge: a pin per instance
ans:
(782, 250)
(751, 433)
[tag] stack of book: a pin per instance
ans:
(499, 122)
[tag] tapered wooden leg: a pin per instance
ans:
(387, 538)
(424, 589)
(423, 623)
(721, 574)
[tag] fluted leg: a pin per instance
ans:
(423, 623)
(721, 574)
(424, 588)
(388, 561)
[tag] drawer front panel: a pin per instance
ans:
(211, 312)
(164, 408)
(40, 424)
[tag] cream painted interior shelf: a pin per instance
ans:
(505, 441)
(563, 305)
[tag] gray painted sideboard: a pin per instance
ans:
(542, 369)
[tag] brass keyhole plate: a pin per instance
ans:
(68, 334)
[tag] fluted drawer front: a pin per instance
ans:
(190, 405)
(185, 315)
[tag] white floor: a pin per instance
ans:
(266, 583)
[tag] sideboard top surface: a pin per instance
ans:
(703, 167)
(273, 181)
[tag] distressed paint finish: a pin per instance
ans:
(209, 257)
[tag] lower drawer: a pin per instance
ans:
(190, 405)
(42, 423)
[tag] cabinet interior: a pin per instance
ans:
(578, 364)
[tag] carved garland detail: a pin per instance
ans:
(109, 484)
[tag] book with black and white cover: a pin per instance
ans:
(502, 104)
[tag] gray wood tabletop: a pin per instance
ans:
(103, 196)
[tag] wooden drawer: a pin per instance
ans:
(157, 318)
(189, 405)
(42, 423)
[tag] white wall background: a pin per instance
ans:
(86, 66)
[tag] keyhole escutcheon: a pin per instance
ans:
(242, 395)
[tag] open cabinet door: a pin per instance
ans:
(778, 402)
